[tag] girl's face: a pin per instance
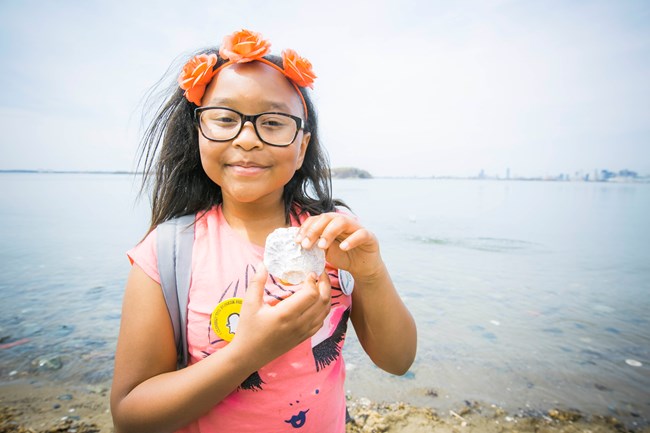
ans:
(246, 169)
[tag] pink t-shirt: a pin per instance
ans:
(302, 389)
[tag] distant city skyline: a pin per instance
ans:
(596, 174)
(404, 88)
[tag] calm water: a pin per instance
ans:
(526, 294)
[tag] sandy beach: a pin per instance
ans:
(35, 407)
(56, 408)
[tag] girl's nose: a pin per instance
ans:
(247, 138)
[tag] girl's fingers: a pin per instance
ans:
(301, 300)
(324, 229)
(311, 229)
(316, 313)
(357, 238)
(307, 302)
(335, 228)
(255, 292)
(325, 290)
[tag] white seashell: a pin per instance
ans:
(289, 261)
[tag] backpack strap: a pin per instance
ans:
(175, 239)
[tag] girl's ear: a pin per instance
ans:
(304, 143)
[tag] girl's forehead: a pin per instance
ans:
(254, 85)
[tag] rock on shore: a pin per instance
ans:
(350, 173)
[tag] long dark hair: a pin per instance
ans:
(171, 163)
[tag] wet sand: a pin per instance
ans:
(56, 408)
(398, 417)
(34, 407)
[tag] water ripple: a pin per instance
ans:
(490, 244)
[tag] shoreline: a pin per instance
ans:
(644, 179)
(48, 407)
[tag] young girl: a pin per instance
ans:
(239, 149)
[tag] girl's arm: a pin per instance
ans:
(385, 328)
(149, 395)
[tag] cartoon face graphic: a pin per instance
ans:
(298, 420)
(233, 321)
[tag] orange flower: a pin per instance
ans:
(244, 46)
(298, 69)
(196, 75)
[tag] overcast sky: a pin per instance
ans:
(540, 87)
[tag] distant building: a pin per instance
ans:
(628, 173)
(605, 175)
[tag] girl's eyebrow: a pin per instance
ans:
(279, 106)
(229, 102)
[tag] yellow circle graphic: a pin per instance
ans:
(225, 317)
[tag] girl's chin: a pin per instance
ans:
(249, 195)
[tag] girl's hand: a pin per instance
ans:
(347, 244)
(267, 331)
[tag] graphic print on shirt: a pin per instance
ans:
(299, 419)
(298, 411)
(328, 349)
(232, 322)
(326, 344)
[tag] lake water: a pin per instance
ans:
(528, 295)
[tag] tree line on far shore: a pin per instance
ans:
(350, 173)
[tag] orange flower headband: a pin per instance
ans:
(241, 47)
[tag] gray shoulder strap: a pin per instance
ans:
(175, 239)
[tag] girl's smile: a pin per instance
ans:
(247, 168)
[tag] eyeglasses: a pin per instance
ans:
(224, 124)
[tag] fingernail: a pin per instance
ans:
(305, 243)
(344, 245)
(322, 243)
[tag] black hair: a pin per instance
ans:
(171, 163)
